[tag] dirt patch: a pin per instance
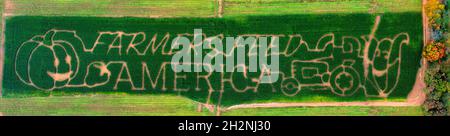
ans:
(1, 114)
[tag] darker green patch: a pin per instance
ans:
(312, 27)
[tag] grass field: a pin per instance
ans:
(100, 105)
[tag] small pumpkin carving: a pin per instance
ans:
(45, 62)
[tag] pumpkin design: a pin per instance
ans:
(47, 62)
